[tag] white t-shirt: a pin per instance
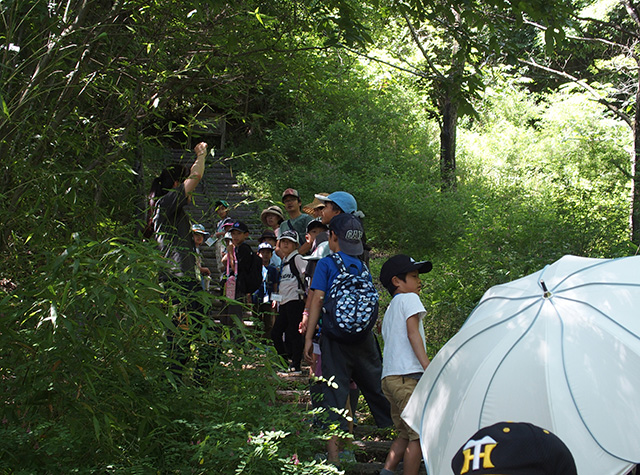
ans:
(399, 358)
(289, 288)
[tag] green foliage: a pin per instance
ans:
(540, 177)
(90, 381)
(372, 141)
(543, 177)
(86, 86)
(570, 158)
(90, 321)
(89, 91)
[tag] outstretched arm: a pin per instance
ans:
(306, 246)
(197, 169)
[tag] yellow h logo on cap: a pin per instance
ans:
(476, 450)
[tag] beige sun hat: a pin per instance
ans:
(314, 204)
(271, 210)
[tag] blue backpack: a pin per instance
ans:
(350, 306)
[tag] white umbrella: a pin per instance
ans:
(560, 349)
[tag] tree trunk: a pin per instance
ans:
(448, 128)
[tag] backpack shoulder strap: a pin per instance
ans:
(296, 272)
(365, 269)
(342, 268)
(335, 257)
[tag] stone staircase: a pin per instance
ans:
(219, 183)
(369, 445)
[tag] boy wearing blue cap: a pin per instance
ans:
(405, 356)
(262, 297)
(336, 203)
(342, 202)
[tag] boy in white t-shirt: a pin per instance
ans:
(405, 357)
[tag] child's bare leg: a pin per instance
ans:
(412, 458)
(396, 454)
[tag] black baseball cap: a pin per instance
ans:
(316, 223)
(239, 226)
(349, 230)
(266, 234)
(513, 448)
(401, 264)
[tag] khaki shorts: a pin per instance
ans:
(398, 390)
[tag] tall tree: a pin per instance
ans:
(454, 42)
(600, 55)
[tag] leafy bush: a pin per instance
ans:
(374, 142)
(90, 382)
(539, 180)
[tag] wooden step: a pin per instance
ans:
(373, 449)
(293, 396)
(374, 468)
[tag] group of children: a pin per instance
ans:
(312, 269)
(303, 256)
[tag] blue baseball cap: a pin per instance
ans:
(345, 200)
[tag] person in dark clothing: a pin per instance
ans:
(243, 255)
(262, 297)
(170, 193)
(239, 257)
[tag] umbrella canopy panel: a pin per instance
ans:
(560, 349)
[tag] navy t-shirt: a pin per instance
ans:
(243, 255)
